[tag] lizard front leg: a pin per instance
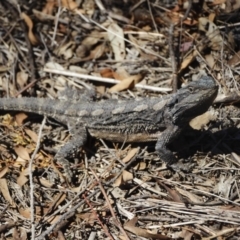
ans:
(78, 139)
(169, 135)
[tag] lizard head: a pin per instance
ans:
(193, 100)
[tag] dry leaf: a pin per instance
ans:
(58, 199)
(212, 63)
(22, 152)
(219, 2)
(106, 73)
(92, 39)
(124, 211)
(53, 219)
(121, 73)
(5, 192)
(25, 212)
(8, 226)
(124, 177)
(15, 233)
(126, 83)
(20, 117)
(54, 65)
(223, 186)
(88, 7)
(23, 233)
(186, 46)
(69, 4)
(191, 196)
(7, 120)
(48, 9)
(213, 35)
(202, 120)
(3, 172)
(130, 226)
(117, 193)
(89, 218)
(175, 196)
(22, 78)
(186, 234)
(211, 16)
(32, 135)
(140, 166)
(235, 60)
(97, 52)
(232, 97)
(189, 58)
(235, 5)
(77, 69)
(145, 185)
(29, 23)
(45, 183)
(22, 179)
(20, 162)
(65, 50)
(130, 155)
(101, 89)
(116, 38)
(177, 17)
(236, 157)
(212, 32)
(121, 237)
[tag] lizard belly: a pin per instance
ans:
(118, 134)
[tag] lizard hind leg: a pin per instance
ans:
(78, 139)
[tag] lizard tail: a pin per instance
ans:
(42, 106)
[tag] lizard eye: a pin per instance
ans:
(191, 89)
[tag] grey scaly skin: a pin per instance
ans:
(149, 119)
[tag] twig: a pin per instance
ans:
(187, 11)
(172, 56)
(169, 11)
(153, 20)
(31, 59)
(124, 168)
(25, 88)
(109, 205)
(96, 216)
(89, 187)
(8, 32)
(56, 23)
(31, 177)
(101, 79)
(68, 214)
(188, 188)
(100, 5)
(65, 216)
(92, 236)
(148, 187)
(136, 5)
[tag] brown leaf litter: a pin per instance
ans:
(122, 49)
